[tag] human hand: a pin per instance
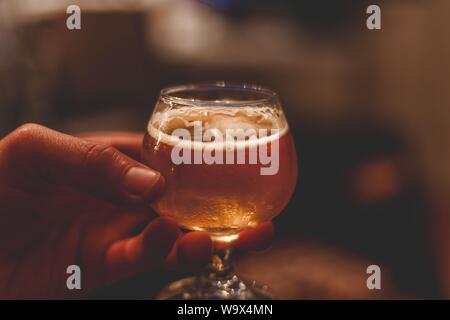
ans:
(83, 201)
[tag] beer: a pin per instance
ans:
(224, 185)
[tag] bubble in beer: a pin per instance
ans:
(222, 199)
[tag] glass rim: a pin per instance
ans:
(267, 95)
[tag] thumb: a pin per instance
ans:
(34, 155)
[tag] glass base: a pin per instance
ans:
(218, 235)
(211, 287)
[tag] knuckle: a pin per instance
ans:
(27, 131)
(99, 153)
(24, 138)
(103, 159)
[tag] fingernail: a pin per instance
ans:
(139, 181)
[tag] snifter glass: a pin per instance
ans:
(230, 164)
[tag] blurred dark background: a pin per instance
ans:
(368, 110)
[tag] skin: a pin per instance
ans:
(68, 200)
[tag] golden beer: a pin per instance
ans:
(241, 188)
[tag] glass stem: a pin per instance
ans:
(220, 264)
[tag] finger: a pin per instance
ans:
(257, 238)
(129, 143)
(192, 251)
(143, 252)
(36, 152)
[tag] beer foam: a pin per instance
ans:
(164, 123)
